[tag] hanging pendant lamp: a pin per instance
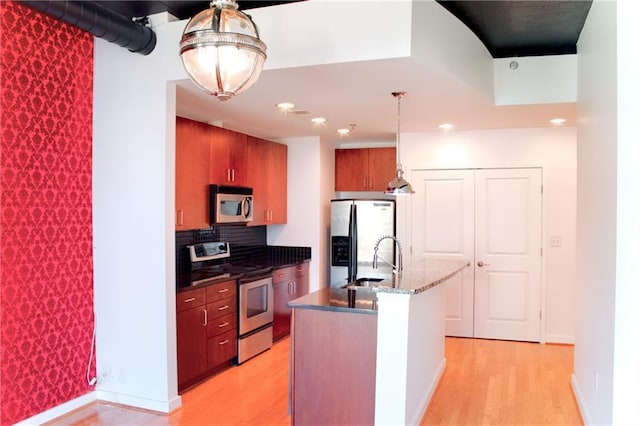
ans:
(222, 51)
(398, 186)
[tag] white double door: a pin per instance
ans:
(492, 217)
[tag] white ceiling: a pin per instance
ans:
(360, 93)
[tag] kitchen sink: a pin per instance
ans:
(364, 282)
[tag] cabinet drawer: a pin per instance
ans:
(189, 299)
(301, 269)
(222, 324)
(222, 348)
(221, 291)
(221, 308)
(283, 275)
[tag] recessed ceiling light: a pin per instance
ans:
(446, 127)
(285, 106)
(556, 122)
(318, 121)
(343, 132)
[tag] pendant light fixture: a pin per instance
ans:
(398, 186)
(222, 51)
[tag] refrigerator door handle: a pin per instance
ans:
(353, 243)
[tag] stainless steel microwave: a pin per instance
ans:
(230, 204)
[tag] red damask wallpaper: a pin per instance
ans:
(46, 292)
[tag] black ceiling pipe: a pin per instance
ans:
(99, 21)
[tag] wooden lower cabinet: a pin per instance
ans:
(333, 367)
(288, 284)
(207, 331)
(192, 344)
(222, 348)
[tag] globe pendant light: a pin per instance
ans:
(222, 51)
(398, 186)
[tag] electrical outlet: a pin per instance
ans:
(555, 241)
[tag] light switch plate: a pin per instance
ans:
(555, 241)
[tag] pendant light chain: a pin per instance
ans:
(399, 96)
(398, 185)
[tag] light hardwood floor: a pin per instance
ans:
(494, 382)
(486, 382)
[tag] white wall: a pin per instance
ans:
(552, 149)
(626, 378)
(606, 376)
(410, 357)
(593, 366)
(133, 216)
(535, 80)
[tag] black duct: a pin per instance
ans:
(101, 22)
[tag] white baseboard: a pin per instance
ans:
(74, 404)
(138, 402)
(417, 416)
(59, 410)
(582, 406)
(560, 338)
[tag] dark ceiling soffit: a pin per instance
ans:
(523, 27)
(101, 22)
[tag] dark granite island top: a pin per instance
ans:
(419, 277)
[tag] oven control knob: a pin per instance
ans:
(222, 248)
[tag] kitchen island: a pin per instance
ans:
(375, 358)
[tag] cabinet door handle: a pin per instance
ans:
(180, 217)
(364, 182)
(224, 342)
(224, 324)
(228, 175)
(191, 299)
(371, 183)
(223, 290)
(233, 175)
(222, 308)
(206, 317)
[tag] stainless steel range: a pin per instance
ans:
(255, 294)
(255, 315)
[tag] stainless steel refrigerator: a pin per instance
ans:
(356, 226)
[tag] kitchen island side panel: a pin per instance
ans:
(328, 387)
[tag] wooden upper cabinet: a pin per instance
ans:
(228, 157)
(364, 169)
(267, 175)
(382, 167)
(278, 183)
(208, 154)
(192, 174)
(352, 169)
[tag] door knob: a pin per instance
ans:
(481, 264)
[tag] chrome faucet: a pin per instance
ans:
(396, 268)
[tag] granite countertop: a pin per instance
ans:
(337, 299)
(184, 282)
(419, 277)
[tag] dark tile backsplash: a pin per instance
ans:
(247, 244)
